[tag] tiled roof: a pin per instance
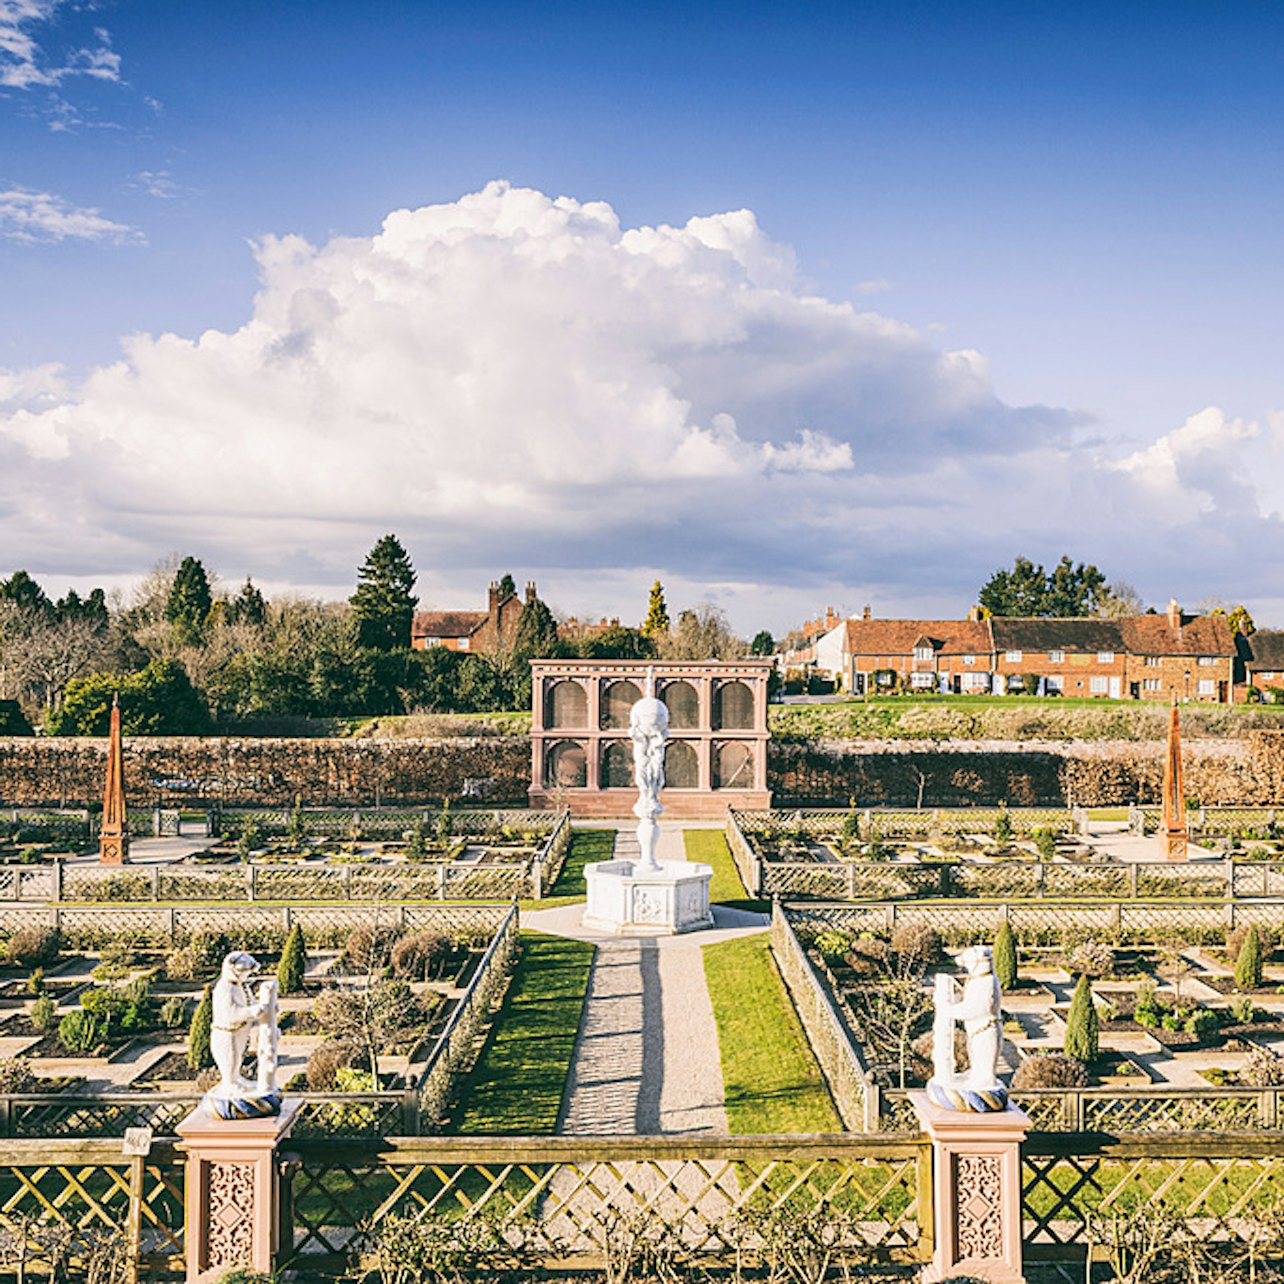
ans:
(899, 637)
(448, 624)
(1266, 649)
(1055, 633)
(1195, 635)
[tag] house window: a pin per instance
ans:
(463, 643)
(1015, 682)
(1056, 657)
(922, 680)
(1055, 682)
(1105, 657)
(1151, 661)
(432, 642)
(1150, 684)
(1012, 657)
(1207, 660)
(1099, 686)
(1267, 676)
(1206, 686)
(922, 652)
(969, 659)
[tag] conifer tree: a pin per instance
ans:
(1082, 1028)
(383, 603)
(294, 959)
(188, 605)
(536, 634)
(1248, 964)
(248, 606)
(657, 613)
(1005, 956)
(199, 1055)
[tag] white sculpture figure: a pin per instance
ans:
(236, 1017)
(980, 1009)
(648, 729)
(269, 1042)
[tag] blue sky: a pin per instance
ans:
(1088, 197)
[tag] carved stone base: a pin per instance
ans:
(233, 1210)
(976, 1179)
(629, 900)
(113, 849)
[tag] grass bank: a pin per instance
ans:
(517, 1084)
(709, 846)
(771, 1080)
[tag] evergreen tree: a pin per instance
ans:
(657, 614)
(248, 606)
(535, 637)
(763, 643)
(1028, 590)
(1082, 1030)
(507, 587)
(1005, 956)
(199, 1055)
(383, 603)
(1248, 965)
(294, 959)
(188, 605)
(23, 591)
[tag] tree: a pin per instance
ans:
(763, 643)
(617, 642)
(188, 605)
(384, 603)
(507, 586)
(657, 614)
(1248, 964)
(157, 701)
(1027, 589)
(294, 959)
(1082, 1027)
(23, 591)
(1005, 956)
(91, 609)
(1119, 599)
(536, 634)
(248, 607)
(199, 1056)
(701, 634)
(1240, 621)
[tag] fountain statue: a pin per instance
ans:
(648, 896)
(980, 1009)
(237, 1016)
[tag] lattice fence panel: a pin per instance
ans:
(1154, 1111)
(826, 882)
(486, 882)
(283, 883)
(179, 884)
(410, 882)
(997, 881)
(1064, 879)
(1182, 880)
(62, 1116)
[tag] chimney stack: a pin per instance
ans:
(1174, 614)
(867, 613)
(530, 591)
(493, 595)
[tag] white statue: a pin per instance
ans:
(648, 729)
(980, 1008)
(237, 1015)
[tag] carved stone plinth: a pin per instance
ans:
(976, 1179)
(630, 900)
(233, 1211)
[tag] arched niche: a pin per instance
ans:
(566, 766)
(617, 765)
(565, 705)
(733, 707)
(617, 699)
(681, 767)
(683, 704)
(733, 765)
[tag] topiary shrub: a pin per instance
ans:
(917, 943)
(1248, 963)
(80, 1033)
(419, 956)
(44, 1013)
(1050, 1070)
(294, 961)
(1091, 958)
(326, 1061)
(1262, 1068)
(1045, 842)
(32, 947)
(1202, 1023)
(1005, 956)
(173, 1013)
(198, 1036)
(1236, 937)
(1081, 1025)
(369, 948)
(1003, 828)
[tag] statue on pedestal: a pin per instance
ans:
(980, 1008)
(238, 1015)
(648, 729)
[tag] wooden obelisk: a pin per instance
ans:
(113, 838)
(1174, 832)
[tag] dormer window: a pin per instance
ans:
(922, 652)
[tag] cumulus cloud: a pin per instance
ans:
(40, 216)
(23, 63)
(517, 379)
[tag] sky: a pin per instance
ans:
(787, 305)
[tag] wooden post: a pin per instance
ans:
(134, 1224)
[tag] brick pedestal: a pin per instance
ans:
(976, 1179)
(233, 1203)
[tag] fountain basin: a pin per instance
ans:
(627, 899)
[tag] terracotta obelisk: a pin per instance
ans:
(1174, 832)
(113, 838)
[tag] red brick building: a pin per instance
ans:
(486, 632)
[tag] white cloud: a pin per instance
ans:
(511, 380)
(878, 285)
(39, 216)
(23, 64)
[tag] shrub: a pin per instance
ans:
(1046, 843)
(419, 955)
(1262, 1068)
(370, 947)
(917, 943)
(182, 964)
(1202, 1023)
(36, 981)
(80, 1032)
(850, 831)
(44, 1012)
(326, 1061)
(867, 956)
(1003, 828)
(416, 841)
(1050, 1070)
(1091, 958)
(445, 826)
(32, 947)
(107, 1004)
(198, 1036)
(353, 1079)
(1248, 963)
(877, 850)
(1242, 1010)
(1005, 956)
(16, 1075)
(1081, 1025)
(294, 961)
(297, 828)
(173, 1013)
(832, 943)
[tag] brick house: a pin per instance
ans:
(486, 632)
(1058, 656)
(1190, 656)
(923, 655)
(1262, 654)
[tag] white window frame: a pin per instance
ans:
(1150, 684)
(464, 643)
(1206, 687)
(923, 681)
(1055, 682)
(922, 653)
(969, 659)
(1207, 660)
(1016, 682)
(1150, 661)
(1012, 657)
(1099, 686)
(1105, 657)
(1056, 657)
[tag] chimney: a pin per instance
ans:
(1174, 614)
(867, 613)
(493, 596)
(530, 591)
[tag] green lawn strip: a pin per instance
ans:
(586, 845)
(770, 1078)
(709, 846)
(516, 1086)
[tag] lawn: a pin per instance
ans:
(771, 1080)
(586, 845)
(516, 1087)
(709, 846)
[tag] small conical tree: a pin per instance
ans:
(1005, 956)
(657, 613)
(294, 959)
(199, 1055)
(1248, 964)
(1081, 1025)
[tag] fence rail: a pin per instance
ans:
(818, 822)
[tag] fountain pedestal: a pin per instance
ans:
(626, 897)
